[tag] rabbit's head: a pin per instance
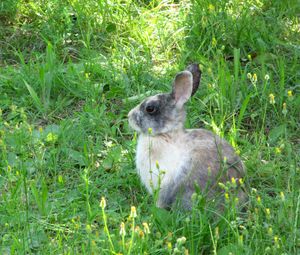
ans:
(165, 112)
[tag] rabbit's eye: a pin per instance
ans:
(151, 109)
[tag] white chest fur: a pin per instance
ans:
(167, 152)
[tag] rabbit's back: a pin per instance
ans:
(212, 158)
(211, 152)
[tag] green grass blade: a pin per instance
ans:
(36, 100)
(243, 110)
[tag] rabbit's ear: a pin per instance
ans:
(182, 88)
(196, 72)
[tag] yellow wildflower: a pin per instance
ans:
(217, 234)
(282, 196)
(276, 241)
(222, 186)
(157, 164)
(226, 196)
(214, 42)
(146, 228)
(277, 150)
(270, 231)
(233, 180)
(254, 78)
(133, 212)
(259, 200)
(51, 137)
(122, 229)
(284, 110)
(211, 8)
(103, 202)
(181, 240)
(60, 178)
(272, 98)
(141, 234)
(88, 228)
(241, 181)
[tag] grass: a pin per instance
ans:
(69, 73)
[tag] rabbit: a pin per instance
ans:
(173, 159)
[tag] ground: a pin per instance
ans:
(69, 73)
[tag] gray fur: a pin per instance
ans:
(207, 152)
